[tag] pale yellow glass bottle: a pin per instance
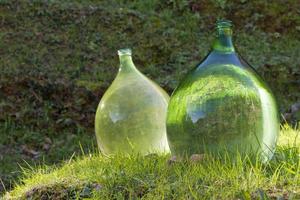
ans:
(131, 116)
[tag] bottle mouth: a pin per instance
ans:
(125, 51)
(224, 27)
(224, 23)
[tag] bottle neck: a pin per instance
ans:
(223, 42)
(126, 63)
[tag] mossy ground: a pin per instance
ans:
(94, 176)
(58, 57)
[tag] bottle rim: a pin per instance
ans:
(224, 23)
(124, 51)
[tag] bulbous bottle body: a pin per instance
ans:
(223, 106)
(131, 114)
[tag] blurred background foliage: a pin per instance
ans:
(59, 57)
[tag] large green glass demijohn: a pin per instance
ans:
(223, 105)
(131, 116)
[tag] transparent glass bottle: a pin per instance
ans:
(131, 116)
(223, 105)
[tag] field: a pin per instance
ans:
(94, 176)
(59, 57)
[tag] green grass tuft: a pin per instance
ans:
(94, 176)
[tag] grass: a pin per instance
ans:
(58, 58)
(94, 176)
(20, 146)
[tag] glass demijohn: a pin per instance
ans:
(131, 116)
(223, 105)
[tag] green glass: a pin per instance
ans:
(131, 116)
(223, 105)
